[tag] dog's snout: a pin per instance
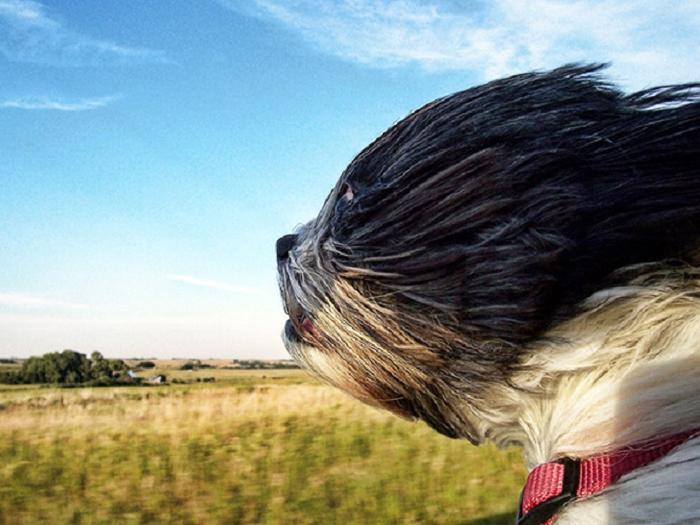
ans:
(284, 246)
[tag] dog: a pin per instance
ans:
(520, 262)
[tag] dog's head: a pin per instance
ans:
(466, 231)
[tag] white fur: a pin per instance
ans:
(624, 372)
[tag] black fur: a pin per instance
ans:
(503, 206)
(482, 219)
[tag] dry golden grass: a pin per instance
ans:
(247, 449)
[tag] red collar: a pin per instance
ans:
(552, 485)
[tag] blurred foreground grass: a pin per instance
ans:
(254, 447)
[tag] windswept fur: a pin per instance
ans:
(516, 261)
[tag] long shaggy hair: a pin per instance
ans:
(516, 262)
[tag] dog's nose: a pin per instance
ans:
(284, 245)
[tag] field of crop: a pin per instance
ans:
(251, 447)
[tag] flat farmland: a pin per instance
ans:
(254, 446)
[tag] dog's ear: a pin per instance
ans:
(502, 207)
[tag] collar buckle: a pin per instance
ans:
(539, 514)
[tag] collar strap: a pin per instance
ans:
(552, 485)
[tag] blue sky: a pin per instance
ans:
(153, 151)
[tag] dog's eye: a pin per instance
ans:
(346, 193)
(345, 197)
(344, 200)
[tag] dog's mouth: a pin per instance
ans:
(299, 328)
(301, 331)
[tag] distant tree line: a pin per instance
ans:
(244, 364)
(195, 364)
(256, 364)
(69, 368)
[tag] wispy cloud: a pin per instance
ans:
(215, 285)
(647, 41)
(46, 103)
(36, 302)
(29, 32)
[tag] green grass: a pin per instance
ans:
(246, 449)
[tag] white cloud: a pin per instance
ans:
(215, 285)
(647, 41)
(45, 103)
(30, 33)
(36, 302)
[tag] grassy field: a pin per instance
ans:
(252, 447)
